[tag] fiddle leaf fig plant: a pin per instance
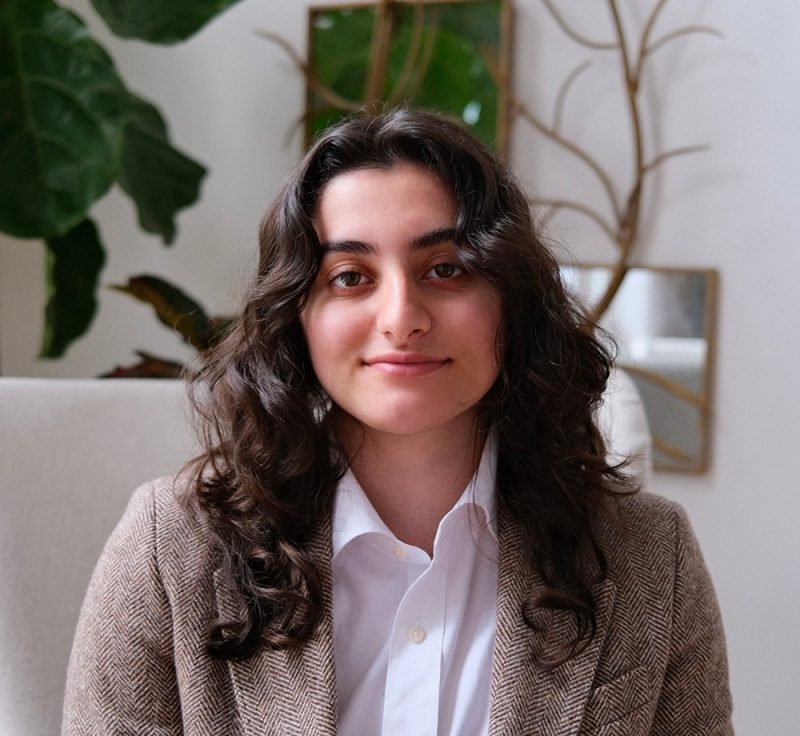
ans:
(64, 112)
(70, 129)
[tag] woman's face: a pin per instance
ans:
(400, 336)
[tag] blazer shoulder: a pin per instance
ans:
(161, 517)
(641, 529)
(644, 512)
(168, 503)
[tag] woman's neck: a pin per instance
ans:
(413, 480)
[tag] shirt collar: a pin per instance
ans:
(354, 515)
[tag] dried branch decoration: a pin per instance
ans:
(622, 225)
(620, 221)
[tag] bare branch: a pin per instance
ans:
(564, 90)
(515, 106)
(573, 148)
(631, 86)
(628, 230)
(379, 52)
(672, 35)
(573, 34)
(557, 204)
(496, 72)
(618, 274)
(325, 92)
(662, 157)
(414, 46)
(678, 390)
(644, 41)
(672, 452)
(424, 61)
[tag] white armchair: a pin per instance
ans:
(71, 453)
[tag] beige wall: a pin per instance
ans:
(232, 100)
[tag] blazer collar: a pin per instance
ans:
(290, 691)
(527, 698)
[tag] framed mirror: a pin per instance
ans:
(437, 54)
(663, 320)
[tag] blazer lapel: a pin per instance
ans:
(528, 699)
(290, 692)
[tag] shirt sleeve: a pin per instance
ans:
(695, 698)
(121, 677)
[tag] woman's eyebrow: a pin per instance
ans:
(347, 246)
(433, 237)
(420, 242)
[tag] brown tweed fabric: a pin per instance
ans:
(656, 666)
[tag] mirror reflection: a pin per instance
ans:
(437, 54)
(662, 320)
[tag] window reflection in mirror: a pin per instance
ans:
(662, 320)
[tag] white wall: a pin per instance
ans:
(232, 100)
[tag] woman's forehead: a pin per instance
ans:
(378, 202)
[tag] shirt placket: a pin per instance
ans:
(411, 702)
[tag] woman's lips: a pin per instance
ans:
(406, 364)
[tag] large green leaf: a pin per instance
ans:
(159, 21)
(159, 179)
(74, 262)
(174, 308)
(62, 111)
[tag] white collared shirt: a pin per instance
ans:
(413, 636)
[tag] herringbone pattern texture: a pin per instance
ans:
(657, 666)
(139, 665)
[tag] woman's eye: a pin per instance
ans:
(446, 270)
(346, 280)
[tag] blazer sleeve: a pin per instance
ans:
(695, 698)
(121, 677)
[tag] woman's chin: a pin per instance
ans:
(414, 421)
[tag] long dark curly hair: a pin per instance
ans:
(267, 478)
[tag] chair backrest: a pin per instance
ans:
(71, 454)
(623, 421)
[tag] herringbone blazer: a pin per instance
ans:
(656, 665)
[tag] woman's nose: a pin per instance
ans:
(402, 311)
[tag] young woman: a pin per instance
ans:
(404, 521)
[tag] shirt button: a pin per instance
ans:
(399, 552)
(416, 634)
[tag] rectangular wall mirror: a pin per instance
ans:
(663, 322)
(438, 54)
